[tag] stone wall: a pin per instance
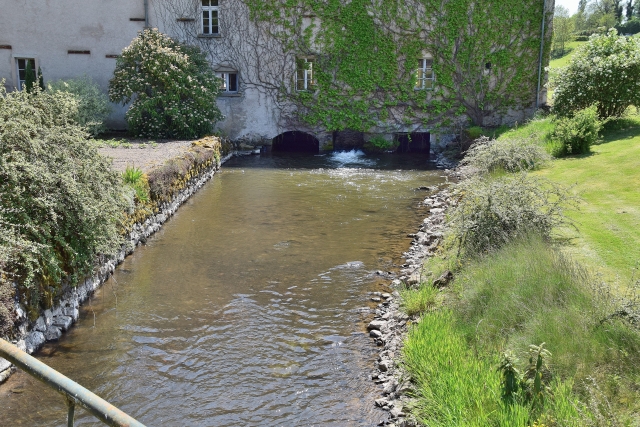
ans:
(53, 322)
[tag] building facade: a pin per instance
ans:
(269, 82)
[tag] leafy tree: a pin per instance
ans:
(172, 86)
(40, 79)
(604, 71)
(563, 27)
(29, 77)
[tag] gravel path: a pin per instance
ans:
(144, 156)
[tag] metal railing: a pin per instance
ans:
(73, 392)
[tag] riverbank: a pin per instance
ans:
(526, 298)
(392, 320)
(30, 335)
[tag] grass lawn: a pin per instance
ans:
(608, 182)
(563, 61)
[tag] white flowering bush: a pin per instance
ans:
(61, 203)
(172, 86)
(93, 104)
(604, 71)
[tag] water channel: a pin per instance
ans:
(248, 307)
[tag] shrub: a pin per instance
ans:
(61, 202)
(491, 212)
(93, 104)
(172, 86)
(604, 71)
(508, 154)
(576, 135)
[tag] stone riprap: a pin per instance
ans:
(389, 327)
(53, 322)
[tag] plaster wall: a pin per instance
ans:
(47, 29)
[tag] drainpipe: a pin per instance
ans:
(544, 18)
(146, 13)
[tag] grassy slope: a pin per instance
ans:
(527, 293)
(607, 180)
(562, 62)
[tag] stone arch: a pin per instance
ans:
(296, 141)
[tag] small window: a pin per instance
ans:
(424, 74)
(210, 17)
(22, 70)
(229, 82)
(304, 74)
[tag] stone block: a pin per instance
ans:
(34, 341)
(53, 333)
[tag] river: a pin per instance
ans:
(248, 307)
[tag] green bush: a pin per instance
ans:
(492, 212)
(603, 71)
(172, 86)
(505, 154)
(93, 104)
(576, 134)
(61, 201)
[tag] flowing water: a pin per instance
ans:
(248, 308)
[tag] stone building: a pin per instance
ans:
(84, 37)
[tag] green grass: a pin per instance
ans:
(563, 61)
(608, 182)
(415, 301)
(526, 293)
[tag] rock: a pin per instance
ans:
(4, 364)
(443, 280)
(374, 333)
(376, 325)
(386, 296)
(34, 341)
(48, 316)
(414, 279)
(375, 299)
(72, 312)
(436, 210)
(53, 333)
(40, 325)
(396, 412)
(62, 322)
(382, 402)
(384, 365)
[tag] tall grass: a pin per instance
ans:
(525, 293)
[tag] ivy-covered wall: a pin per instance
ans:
(365, 52)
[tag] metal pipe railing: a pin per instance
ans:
(74, 393)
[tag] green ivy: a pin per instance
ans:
(485, 58)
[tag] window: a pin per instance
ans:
(22, 70)
(304, 74)
(229, 82)
(210, 17)
(424, 74)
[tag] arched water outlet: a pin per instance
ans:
(296, 141)
(415, 142)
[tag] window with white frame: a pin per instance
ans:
(21, 64)
(424, 74)
(229, 81)
(304, 74)
(210, 17)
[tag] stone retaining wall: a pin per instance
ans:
(53, 322)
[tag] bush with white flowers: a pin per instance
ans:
(171, 87)
(604, 71)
